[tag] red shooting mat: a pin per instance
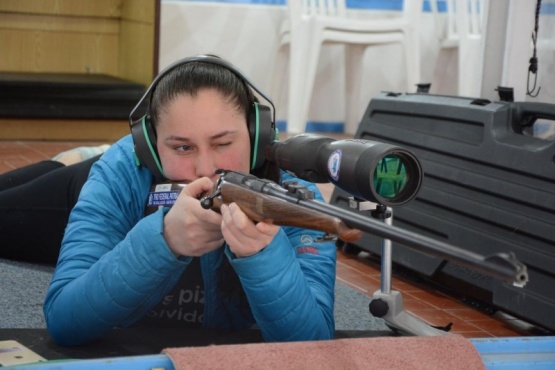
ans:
(434, 352)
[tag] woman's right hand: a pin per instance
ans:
(189, 229)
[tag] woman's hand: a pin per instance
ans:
(243, 236)
(189, 229)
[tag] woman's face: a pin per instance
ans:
(198, 135)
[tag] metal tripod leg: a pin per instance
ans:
(388, 304)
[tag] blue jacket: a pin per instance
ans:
(115, 265)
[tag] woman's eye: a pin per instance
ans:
(224, 144)
(183, 148)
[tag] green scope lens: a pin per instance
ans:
(390, 176)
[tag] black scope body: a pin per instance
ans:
(368, 170)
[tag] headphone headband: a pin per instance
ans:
(207, 59)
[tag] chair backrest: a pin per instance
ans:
(447, 34)
(338, 8)
(471, 17)
(332, 8)
(464, 18)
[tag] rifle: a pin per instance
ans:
(294, 205)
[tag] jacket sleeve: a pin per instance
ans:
(112, 265)
(290, 285)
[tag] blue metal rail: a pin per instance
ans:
(497, 353)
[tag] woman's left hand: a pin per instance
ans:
(243, 236)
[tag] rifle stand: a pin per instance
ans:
(387, 303)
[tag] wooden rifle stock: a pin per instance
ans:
(262, 207)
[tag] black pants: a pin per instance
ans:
(35, 202)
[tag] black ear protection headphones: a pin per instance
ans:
(261, 121)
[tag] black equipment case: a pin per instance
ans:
(488, 187)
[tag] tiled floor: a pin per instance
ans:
(361, 272)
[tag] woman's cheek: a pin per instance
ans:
(177, 169)
(238, 162)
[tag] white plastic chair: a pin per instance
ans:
(312, 23)
(447, 35)
(464, 29)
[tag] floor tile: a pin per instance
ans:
(468, 314)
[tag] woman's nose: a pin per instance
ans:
(205, 166)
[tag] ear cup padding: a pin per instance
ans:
(144, 138)
(262, 133)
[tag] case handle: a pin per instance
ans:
(525, 114)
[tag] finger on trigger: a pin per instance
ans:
(199, 187)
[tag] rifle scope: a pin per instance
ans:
(368, 170)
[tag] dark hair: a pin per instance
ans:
(191, 78)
